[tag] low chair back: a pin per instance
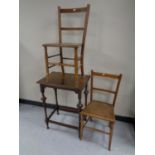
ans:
(114, 77)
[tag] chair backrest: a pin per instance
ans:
(114, 77)
(83, 28)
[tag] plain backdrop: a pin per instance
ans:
(109, 46)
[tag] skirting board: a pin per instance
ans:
(119, 118)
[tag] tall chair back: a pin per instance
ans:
(61, 28)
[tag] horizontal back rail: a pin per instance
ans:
(61, 64)
(105, 90)
(73, 10)
(51, 56)
(72, 28)
(105, 102)
(51, 66)
(70, 58)
(106, 75)
(67, 45)
(84, 11)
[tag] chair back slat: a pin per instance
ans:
(73, 10)
(105, 90)
(72, 28)
(78, 58)
(105, 75)
(84, 10)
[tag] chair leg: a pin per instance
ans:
(111, 125)
(76, 64)
(81, 127)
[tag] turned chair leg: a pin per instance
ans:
(111, 125)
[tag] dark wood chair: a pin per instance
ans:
(101, 110)
(61, 44)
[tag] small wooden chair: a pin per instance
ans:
(74, 46)
(101, 110)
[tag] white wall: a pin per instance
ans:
(109, 46)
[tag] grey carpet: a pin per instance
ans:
(35, 139)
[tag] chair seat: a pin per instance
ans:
(100, 110)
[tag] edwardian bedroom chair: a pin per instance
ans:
(77, 47)
(100, 109)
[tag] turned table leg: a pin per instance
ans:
(86, 94)
(56, 100)
(79, 106)
(42, 89)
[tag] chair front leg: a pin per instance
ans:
(111, 125)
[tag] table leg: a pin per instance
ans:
(42, 89)
(86, 94)
(79, 106)
(56, 100)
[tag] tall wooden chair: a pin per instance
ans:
(75, 46)
(101, 110)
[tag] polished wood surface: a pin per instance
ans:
(64, 81)
(58, 80)
(100, 109)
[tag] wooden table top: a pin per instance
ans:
(67, 82)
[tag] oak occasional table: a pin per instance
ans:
(57, 80)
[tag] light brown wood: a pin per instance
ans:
(76, 63)
(60, 39)
(70, 58)
(50, 66)
(46, 61)
(73, 10)
(51, 56)
(67, 45)
(84, 39)
(61, 44)
(91, 92)
(113, 76)
(105, 90)
(106, 75)
(72, 28)
(98, 130)
(61, 64)
(111, 124)
(100, 109)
